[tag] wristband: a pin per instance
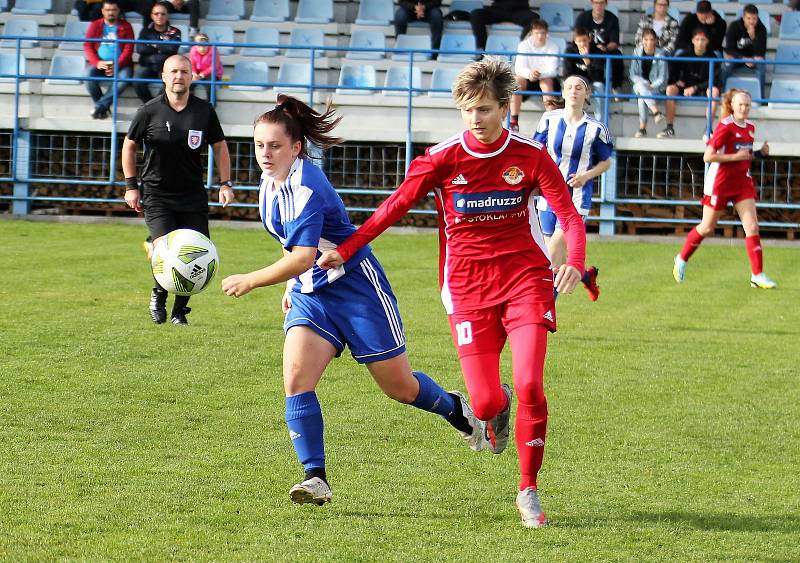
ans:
(226, 184)
(758, 154)
(131, 183)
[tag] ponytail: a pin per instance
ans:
(302, 123)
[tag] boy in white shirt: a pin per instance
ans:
(534, 69)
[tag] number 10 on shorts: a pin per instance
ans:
(464, 333)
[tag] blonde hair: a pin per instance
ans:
(491, 75)
(727, 100)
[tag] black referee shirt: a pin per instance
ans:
(173, 141)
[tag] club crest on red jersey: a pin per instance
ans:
(513, 175)
(195, 138)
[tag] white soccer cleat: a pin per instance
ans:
(763, 281)
(497, 429)
(679, 269)
(531, 509)
(314, 490)
(476, 440)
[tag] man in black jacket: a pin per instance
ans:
(746, 39)
(153, 55)
(514, 11)
(709, 21)
(420, 10)
(603, 27)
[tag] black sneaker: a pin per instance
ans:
(667, 133)
(158, 305)
(179, 315)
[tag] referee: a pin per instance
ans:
(174, 127)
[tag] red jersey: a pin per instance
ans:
(730, 177)
(491, 245)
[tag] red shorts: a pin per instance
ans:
(485, 330)
(718, 202)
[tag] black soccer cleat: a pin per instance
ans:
(158, 305)
(179, 315)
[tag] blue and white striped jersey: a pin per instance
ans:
(575, 149)
(306, 211)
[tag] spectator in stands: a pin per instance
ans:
(153, 55)
(191, 7)
(746, 39)
(648, 76)
(515, 11)
(604, 29)
(709, 21)
(420, 10)
(593, 70)
(690, 78)
(534, 71)
(100, 56)
(665, 26)
(202, 58)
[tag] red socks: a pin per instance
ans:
(753, 245)
(529, 433)
(693, 240)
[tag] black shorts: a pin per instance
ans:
(533, 86)
(162, 219)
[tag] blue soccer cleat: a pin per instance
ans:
(679, 269)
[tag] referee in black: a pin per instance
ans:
(174, 127)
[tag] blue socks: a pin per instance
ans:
(304, 419)
(432, 398)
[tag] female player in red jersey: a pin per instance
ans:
(494, 268)
(730, 152)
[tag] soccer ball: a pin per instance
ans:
(184, 261)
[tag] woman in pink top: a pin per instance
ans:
(202, 58)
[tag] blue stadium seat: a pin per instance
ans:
(298, 74)
(755, 1)
(375, 12)
(405, 41)
(32, 7)
(262, 36)
(463, 6)
(270, 11)
(250, 71)
(137, 16)
(21, 27)
(397, 77)
(314, 11)
(442, 79)
(749, 83)
(784, 89)
(64, 64)
(457, 42)
(366, 39)
(763, 15)
(559, 17)
(8, 65)
(308, 37)
(354, 76)
(790, 25)
(561, 42)
(3, 5)
(225, 10)
(73, 28)
(503, 42)
(219, 34)
(788, 52)
(184, 29)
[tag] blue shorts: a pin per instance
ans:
(358, 310)
(549, 222)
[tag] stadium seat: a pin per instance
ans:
(261, 36)
(137, 28)
(375, 12)
(397, 77)
(8, 66)
(460, 42)
(72, 29)
(32, 7)
(461, 6)
(790, 25)
(225, 10)
(749, 83)
(561, 42)
(355, 76)
(296, 74)
(137, 16)
(366, 39)
(3, 5)
(219, 34)
(306, 37)
(559, 17)
(502, 42)
(184, 29)
(442, 79)
(250, 71)
(20, 27)
(270, 11)
(755, 1)
(788, 52)
(763, 15)
(784, 89)
(64, 64)
(314, 11)
(405, 41)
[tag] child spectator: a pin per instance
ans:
(648, 77)
(746, 39)
(202, 58)
(593, 70)
(707, 19)
(604, 29)
(665, 26)
(535, 72)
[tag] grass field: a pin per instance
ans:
(673, 432)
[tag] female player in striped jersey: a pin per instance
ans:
(581, 146)
(351, 305)
(730, 152)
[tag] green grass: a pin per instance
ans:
(673, 432)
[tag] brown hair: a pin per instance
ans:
(302, 123)
(490, 75)
(727, 100)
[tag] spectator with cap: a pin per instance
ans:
(422, 11)
(153, 55)
(664, 25)
(707, 19)
(604, 29)
(514, 11)
(746, 39)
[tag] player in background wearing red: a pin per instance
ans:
(494, 268)
(730, 152)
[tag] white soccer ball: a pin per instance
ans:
(184, 261)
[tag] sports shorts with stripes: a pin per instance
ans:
(358, 310)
